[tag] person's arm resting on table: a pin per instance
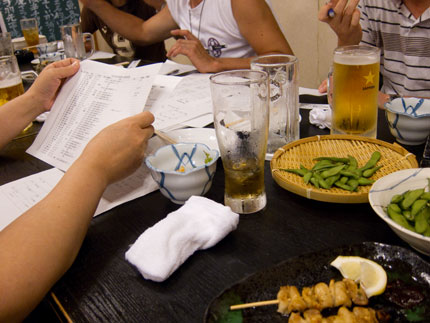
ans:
(40, 245)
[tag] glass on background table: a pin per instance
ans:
(102, 286)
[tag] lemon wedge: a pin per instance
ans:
(371, 276)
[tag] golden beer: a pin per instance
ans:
(355, 91)
(7, 93)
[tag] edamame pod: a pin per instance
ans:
(369, 172)
(400, 219)
(417, 206)
(372, 161)
(411, 197)
(421, 223)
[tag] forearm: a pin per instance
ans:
(46, 239)
(16, 115)
(125, 24)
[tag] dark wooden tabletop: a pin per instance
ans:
(101, 286)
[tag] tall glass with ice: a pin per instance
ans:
(241, 117)
(284, 124)
(355, 90)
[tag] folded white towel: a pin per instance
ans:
(321, 117)
(199, 224)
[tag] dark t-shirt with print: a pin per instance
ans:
(121, 46)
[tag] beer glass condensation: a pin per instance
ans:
(355, 90)
(241, 118)
(10, 79)
(284, 124)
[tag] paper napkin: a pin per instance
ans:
(199, 224)
(321, 117)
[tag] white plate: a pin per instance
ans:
(203, 135)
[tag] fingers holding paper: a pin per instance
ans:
(118, 150)
(45, 89)
(345, 22)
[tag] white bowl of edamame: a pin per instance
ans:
(402, 200)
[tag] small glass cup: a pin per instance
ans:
(6, 46)
(284, 125)
(355, 89)
(241, 117)
(30, 31)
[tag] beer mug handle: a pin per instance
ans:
(330, 86)
(87, 37)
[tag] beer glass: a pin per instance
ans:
(355, 90)
(75, 41)
(241, 117)
(284, 124)
(30, 31)
(6, 47)
(10, 79)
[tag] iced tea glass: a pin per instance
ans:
(30, 31)
(241, 118)
(355, 90)
(284, 124)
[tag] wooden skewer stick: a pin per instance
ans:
(255, 304)
(30, 47)
(228, 125)
(165, 137)
(122, 63)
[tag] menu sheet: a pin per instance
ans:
(95, 97)
(18, 196)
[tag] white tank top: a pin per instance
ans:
(213, 23)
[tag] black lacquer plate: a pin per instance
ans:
(402, 266)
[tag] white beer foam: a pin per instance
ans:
(346, 59)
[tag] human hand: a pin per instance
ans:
(117, 151)
(323, 86)
(345, 23)
(46, 86)
(191, 47)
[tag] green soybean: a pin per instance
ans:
(353, 183)
(400, 219)
(343, 186)
(411, 197)
(307, 177)
(372, 161)
(417, 206)
(300, 172)
(397, 198)
(365, 181)
(421, 223)
(333, 159)
(332, 171)
(395, 208)
(369, 172)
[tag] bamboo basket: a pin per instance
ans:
(303, 151)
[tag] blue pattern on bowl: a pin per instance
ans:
(409, 119)
(196, 177)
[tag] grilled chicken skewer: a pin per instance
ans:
(319, 296)
(357, 315)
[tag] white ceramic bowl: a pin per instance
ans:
(409, 119)
(399, 182)
(182, 170)
(46, 48)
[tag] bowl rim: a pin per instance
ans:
(388, 107)
(153, 155)
(378, 209)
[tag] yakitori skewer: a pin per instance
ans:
(319, 296)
